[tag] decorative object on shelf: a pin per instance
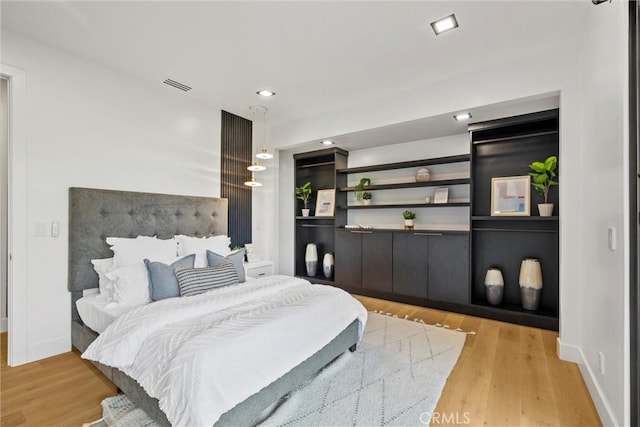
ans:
(358, 190)
(427, 199)
(544, 175)
(530, 283)
(441, 195)
(423, 175)
(366, 198)
(327, 265)
(358, 227)
(510, 196)
(494, 286)
(303, 193)
(326, 202)
(408, 219)
(311, 259)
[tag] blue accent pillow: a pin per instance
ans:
(236, 258)
(162, 277)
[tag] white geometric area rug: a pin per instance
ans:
(395, 378)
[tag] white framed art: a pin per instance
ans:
(326, 202)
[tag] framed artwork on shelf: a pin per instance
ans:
(511, 196)
(441, 195)
(326, 202)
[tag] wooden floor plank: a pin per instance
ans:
(506, 375)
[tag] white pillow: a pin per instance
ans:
(188, 245)
(131, 251)
(130, 285)
(102, 267)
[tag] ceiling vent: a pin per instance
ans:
(177, 85)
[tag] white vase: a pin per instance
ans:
(305, 212)
(494, 286)
(311, 259)
(366, 202)
(423, 175)
(530, 283)
(408, 224)
(545, 209)
(327, 265)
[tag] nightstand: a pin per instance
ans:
(258, 268)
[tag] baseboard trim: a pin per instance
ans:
(49, 348)
(4, 325)
(572, 353)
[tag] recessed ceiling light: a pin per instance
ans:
(462, 116)
(327, 142)
(266, 93)
(444, 24)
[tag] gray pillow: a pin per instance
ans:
(162, 277)
(236, 258)
(194, 281)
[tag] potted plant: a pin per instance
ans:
(366, 198)
(358, 190)
(543, 178)
(408, 219)
(303, 193)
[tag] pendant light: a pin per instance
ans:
(263, 154)
(252, 182)
(256, 167)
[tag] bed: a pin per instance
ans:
(96, 214)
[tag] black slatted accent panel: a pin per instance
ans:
(236, 155)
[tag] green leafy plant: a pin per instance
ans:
(303, 193)
(544, 175)
(359, 188)
(409, 215)
(366, 195)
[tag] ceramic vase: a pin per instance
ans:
(545, 209)
(311, 259)
(327, 265)
(408, 224)
(530, 283)
(305, 212)
(494, 286)
(423, 175)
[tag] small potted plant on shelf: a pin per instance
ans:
(303, 193)
(408, 219)
(543, 178)
(358, 190)
(366, 198)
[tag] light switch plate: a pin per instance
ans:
(611, 239)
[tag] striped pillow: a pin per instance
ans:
(194, 281)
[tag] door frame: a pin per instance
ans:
(17, 216)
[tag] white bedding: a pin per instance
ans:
(97, 312)
(202, 355)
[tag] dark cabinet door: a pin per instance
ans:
(410, 264)
(377, 262)
(348, 258)
(448, 275)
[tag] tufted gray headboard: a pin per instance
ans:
(97, 214)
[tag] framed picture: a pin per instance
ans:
(511, 196)
(441, 195)
(326, 202)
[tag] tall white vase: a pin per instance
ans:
(327, 265)
(311, 259)
(530, 283)
(494, 286)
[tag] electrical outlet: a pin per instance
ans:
(601, 362)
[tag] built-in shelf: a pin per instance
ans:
(314, 165)
(315, 218)
(407, 205)
(401, 230)
(514, 218)
(409, 164)
(317, 279)
(317, 225)
(516, 309)
(434, 183)
(511, 138)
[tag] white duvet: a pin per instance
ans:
(200, 356)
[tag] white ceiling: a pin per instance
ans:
(316, 55)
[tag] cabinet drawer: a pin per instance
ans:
(266, 270)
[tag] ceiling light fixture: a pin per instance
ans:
(462, 116)
(327, 142)
(444, 24)
(263, 154)
(252, 182)
(266, 93)
(256, 167)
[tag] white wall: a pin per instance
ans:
(4, 145)
(591, 177)
(89, 126)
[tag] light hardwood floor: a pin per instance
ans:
(507, 375)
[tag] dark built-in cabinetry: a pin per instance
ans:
(442, 268)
